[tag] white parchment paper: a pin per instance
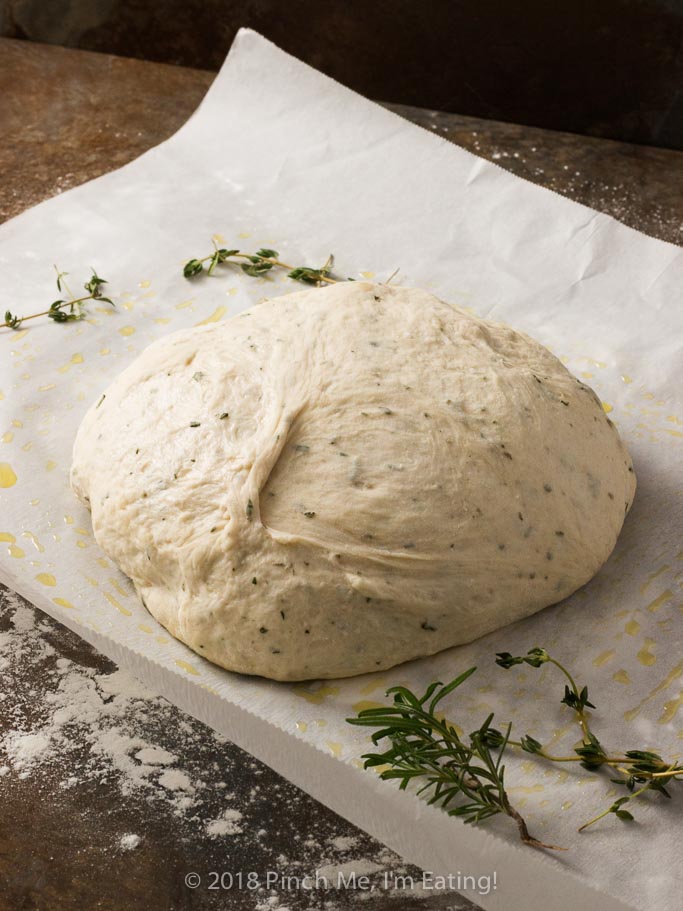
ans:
(279, 155)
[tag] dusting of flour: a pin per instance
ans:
(100, 724)
(71, 725)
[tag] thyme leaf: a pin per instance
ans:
(66, 309)
(635, 767)
(465, 775)
(258, 264)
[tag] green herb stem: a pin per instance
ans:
(257, 264)
(65, 310)
(581, 715)
(274, 262)
(463, 777)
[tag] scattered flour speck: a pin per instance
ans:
(155, 756)
(129, 842)
(227, 824)
(344, 842)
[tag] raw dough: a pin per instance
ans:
(341, 479)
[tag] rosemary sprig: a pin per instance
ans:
(463, 776)
(423, 745)
(258, 264)
(67, 309)
(636, 767)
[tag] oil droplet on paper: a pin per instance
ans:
(69, 520)
(115, 584)
(186, 666)
(126, 330)
(671, 709)
(663, 599)
(315, 697)
(645, 655)
(46, 387)
(334, 748)
(673, 674)
(7, 536)
(62, 602)
(606, 407)
(215, 317)
(567, 804)
(144, 284)
(15, 551)
(301, 726)
(604, 657)
(632, 628)
(47, 579)
(145, 628)
(76, 359)
(184, 304)
(626, 378)
(8, 437)
(651, 577)
(621, 676)
(365, 704)
(7, 475)
(50, 465)
(528, 789)
(117, 604)
(374, 685)
(105, 351)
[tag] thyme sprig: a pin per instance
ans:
(257, 264)
(636, 767)
(465, 775)
(424, 745)
(67, 309)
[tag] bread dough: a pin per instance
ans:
(345, 478)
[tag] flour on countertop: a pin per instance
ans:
(63, 721)
(110, 714)
(129, 842)
(226, 825)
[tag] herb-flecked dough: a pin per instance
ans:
(342, 479)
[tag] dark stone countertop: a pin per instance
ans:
(105, 759)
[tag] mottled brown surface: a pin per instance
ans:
(610, 68)
(65, 117)
(60, 827)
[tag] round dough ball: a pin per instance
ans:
(345, 478)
